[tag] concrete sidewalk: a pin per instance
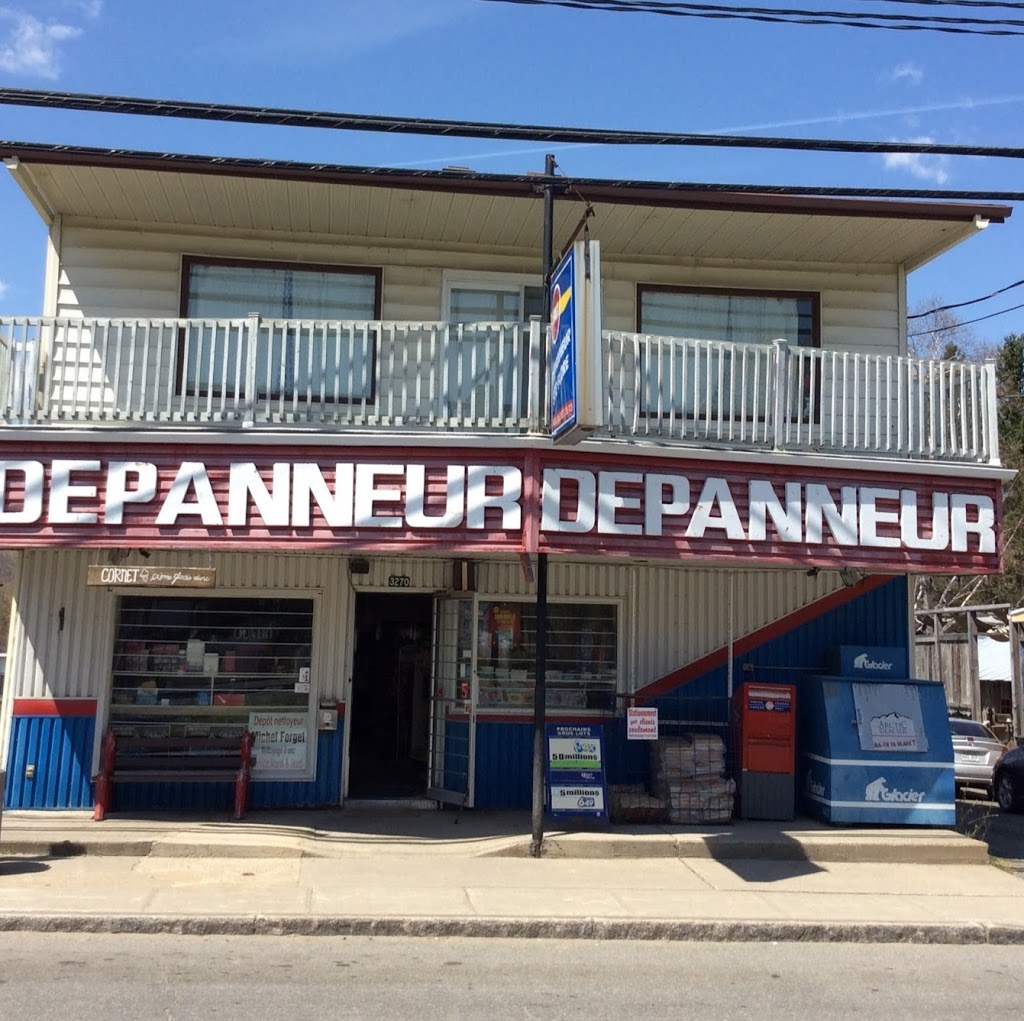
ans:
(344, 833)
(442, 873)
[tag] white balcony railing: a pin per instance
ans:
(256, 371)
(798, 398)
(484, 377)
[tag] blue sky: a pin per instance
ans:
(468, 59)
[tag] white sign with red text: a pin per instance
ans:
(641, 723)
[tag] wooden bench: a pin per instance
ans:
(191, 759)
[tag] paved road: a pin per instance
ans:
(106, 978)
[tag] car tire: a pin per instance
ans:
(1007, 794)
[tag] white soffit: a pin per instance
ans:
(124, 195)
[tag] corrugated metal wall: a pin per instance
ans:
(60, 750)
(670, 616)
(61, 642)
(62, 638)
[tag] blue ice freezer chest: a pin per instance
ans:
(876, 750)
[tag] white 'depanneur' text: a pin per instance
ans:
(657, 504)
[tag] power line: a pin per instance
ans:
(964, 304)
(952, 3)
(494, 130)
(966, 322)
(671, 6)
(960, 26)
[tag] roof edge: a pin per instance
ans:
(915, 205)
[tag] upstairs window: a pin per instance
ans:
(468, 303)
(731, 317)
(311, 344)
(710, 377)
(488, 370)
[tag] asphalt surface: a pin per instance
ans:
(111, 977)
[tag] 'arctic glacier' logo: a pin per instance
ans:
(862, 662)
(877, 790)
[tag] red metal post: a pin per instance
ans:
(104, 780)
(242, 780)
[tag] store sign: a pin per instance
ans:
(152, 577)
(598, 504)
(641, 723)
(889, 717)
(575, 343)
(575, 771)
(281, 742)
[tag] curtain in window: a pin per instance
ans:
(711, 377)
(311, 362)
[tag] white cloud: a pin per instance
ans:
(28, 46)
(3, 290)
(906, 72)
(918, 164)
(91, 9)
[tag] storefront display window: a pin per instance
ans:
(582, 654)
(202, 666)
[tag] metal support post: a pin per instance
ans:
(540, 684)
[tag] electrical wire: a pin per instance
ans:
(964, 304)
(951, 3)
(768, 15)
(966, 322)
(494, 130)
(671, 6)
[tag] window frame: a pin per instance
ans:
(226, 391)
(484, 280)
(735, 292)
(728, 292)
(621, 685)
(319, 683)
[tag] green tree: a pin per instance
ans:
(1008, 587)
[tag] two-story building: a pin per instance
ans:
(278, 449)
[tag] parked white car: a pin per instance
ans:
(976, 750)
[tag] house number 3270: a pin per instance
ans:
(399, 581)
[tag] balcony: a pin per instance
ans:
(483, 378)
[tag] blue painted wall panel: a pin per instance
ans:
(504, 765)
(60, 748)
(322, 792)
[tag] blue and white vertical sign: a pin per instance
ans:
(576, 343)
(575, 768)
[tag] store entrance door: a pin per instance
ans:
(390, 726)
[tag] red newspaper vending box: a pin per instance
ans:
(764, 735)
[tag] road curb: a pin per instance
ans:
(931, 852)
(690, 930)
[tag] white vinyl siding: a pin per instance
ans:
(137, 273)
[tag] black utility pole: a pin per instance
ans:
(540, 688)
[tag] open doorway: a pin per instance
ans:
(389, 730)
